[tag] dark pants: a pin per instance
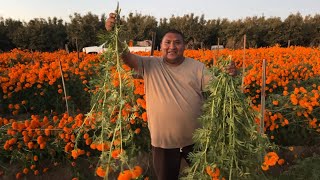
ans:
(166, 162)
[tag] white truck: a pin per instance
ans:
(102, 48)
(94, 49)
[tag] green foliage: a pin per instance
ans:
(298, 131)
(305, 169)
(52, 34)
(229, 139)
(112, 109)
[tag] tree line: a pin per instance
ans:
(52, 34)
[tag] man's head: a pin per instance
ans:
(172, 47)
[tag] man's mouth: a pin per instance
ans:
(172, 53)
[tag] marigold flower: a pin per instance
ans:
(101, 172)
(265, 166)
(25, 171)
(116, 153)
(137, 131)
(281, 162)
(36, 172)
(86, 136)
(276, 103)
(45, 170)
(18, 175)
(271, 158)
(136, 172)
(35, 158)
(125, 175)
(144, 117)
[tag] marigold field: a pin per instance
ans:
(45, 99)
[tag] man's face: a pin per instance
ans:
(172, 47)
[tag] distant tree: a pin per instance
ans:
(193, 27)
(41, 35)
(57, 34)
(139, 27)
(292, 30)
(255, 30)
(5, 43)
(8, 29)
(274, 33)
(83, 31)
(234, 33)
(52, 34)
(311, 31)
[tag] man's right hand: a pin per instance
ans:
(128, 58)
(110, 21)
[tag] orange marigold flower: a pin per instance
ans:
(35, 158)
(136, 172)
(40, 140)
(137, 131)
(271, 158)
(93, 146)
(101, 172)
(36, 172)
(60, 91)
(276, 103)
(18, 175)
(14, 125)
(116, 153)
(25, 171)
(30, 145)
(33, 167)
(10, 106)
(281, 162)
(45, 170)
(125, 175)
(86, 136)
(17, 106)
(88, 141)
(144, 117)
(265, 166)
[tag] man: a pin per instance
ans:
(173, 86)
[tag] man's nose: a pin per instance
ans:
(172, 45)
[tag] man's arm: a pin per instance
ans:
(128, 58)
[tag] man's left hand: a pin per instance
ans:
(231, 69)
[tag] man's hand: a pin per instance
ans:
(110, 21)
(231, 69)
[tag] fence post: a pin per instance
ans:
(263, 96)
(243, 62)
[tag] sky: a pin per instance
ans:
(212, 9)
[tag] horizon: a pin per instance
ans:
(213, 9)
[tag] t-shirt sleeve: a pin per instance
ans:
(143, 63)
(207, 76)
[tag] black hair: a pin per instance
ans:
(174, 31)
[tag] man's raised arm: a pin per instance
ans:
(128, 58)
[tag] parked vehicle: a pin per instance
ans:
(102, 48)
(94, 49)
(215, 47)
